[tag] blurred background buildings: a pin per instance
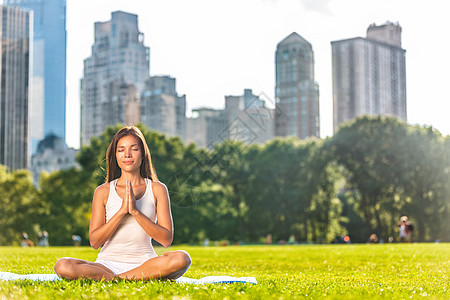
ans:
(369, 75)
(117, 87)
(14, 58)
(47, 90)
(296, 92)
(114, 75)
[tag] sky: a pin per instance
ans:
(220, 47)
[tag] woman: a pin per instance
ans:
(124, 213)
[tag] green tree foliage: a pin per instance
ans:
(67, 196)
(368, 149)
(426, 181)
(19, 204)
(290, 191)
(360, 181)
(393, 169)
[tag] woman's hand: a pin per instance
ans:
(162, 231)
(123, 210)
(130, 198)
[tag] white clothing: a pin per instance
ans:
(403, 231)
(129, 243)
(117, 267)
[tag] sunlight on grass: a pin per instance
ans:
(317, 271)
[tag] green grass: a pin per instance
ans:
(398, 271)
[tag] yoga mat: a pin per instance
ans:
(204, 280)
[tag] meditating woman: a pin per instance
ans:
(128, 210)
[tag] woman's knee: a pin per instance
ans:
(182, 259)
(63, 266)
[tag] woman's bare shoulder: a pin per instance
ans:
(102, 191)
(159, 187)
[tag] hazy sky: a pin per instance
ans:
(216, 48)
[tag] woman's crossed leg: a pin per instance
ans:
(170, 265)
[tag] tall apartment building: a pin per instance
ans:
(162, 109)
(47, 111)
(369, 75)
(114, 76)
(206, 127)
(14, 72)
(249, 120)
(245, 118)
(296, 92)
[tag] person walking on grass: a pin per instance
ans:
(128, 210)
(405, 229)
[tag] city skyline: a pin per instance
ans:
(218, 49)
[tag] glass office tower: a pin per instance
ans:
(48, 88)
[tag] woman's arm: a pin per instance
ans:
(162, 232)
(99, 230)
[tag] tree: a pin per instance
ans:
(291, 191)
(230, 165)
(20, 205)
(426, 183)
(67, 197)
(370, 149)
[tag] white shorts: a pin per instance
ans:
(117, 267)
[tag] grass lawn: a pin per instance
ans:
(305, 271)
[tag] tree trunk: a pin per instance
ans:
(305, 227)
(420, 229)
(367, 217)
(379, 230)
(314, 231)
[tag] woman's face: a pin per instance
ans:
(128, 153)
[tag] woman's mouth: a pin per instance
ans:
(127, 162)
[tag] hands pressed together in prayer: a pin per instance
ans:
(129, 202)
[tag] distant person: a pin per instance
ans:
(269, 239)
(76, 240)
(39, 239)
(129, 210)
(42, 239)
(26, 242)
(405, 229)
(291, 240)
(45, 239)
(373, 238)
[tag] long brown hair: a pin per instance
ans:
(113, 171)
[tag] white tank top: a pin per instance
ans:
(129, 243)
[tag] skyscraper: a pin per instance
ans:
(249, 120)
(14, 58)
(369, 75)
(119, 65)
(48, 90)
(206, 127)
(162, 109)
(245, 118)
(296, 92)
